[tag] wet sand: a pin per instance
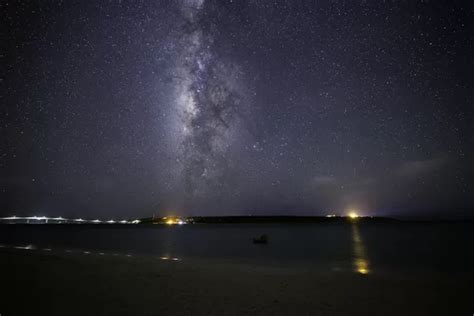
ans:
(36, 282)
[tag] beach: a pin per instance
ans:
(39, 282)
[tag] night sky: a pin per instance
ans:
(117, 109)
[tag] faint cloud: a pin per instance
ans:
(419, 167)
(324, 180)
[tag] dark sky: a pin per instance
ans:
(124, 109)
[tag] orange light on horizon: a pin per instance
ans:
(353, 215)
(174, 221)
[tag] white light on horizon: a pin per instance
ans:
(28, 247)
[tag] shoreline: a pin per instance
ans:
(52, 283)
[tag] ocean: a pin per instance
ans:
(361, 247)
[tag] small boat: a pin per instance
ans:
(263, 239)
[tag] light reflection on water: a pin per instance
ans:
(360, 259)
(85, 252)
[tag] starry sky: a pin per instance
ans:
(124, 109)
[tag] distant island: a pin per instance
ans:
(250, 219)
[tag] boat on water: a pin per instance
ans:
(263, 239)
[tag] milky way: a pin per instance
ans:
(208, 101)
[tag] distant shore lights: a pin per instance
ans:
(173, 220)
(60, 220)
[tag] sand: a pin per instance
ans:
(37, 282)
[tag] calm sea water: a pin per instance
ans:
(363, 247)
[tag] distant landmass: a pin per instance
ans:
(256, 219)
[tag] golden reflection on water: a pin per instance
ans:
(361, 262)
